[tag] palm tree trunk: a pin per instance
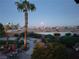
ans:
(26, 28)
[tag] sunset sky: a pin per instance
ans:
(48, 13)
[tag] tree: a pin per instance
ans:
(2, 32)
(25, 6)
(77, 1)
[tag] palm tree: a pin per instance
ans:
(25, 6)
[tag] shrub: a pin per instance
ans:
(50, 38)
(11, 41)
(16, 35)
(2, 42)
(68, 34)
(2, 32)
(57, 34)
(51, 51)
(75, 35)
(69, 41)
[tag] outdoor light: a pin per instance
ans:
(77, 1)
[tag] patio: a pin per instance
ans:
(22, 55)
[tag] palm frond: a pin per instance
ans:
(25, 2)
(32, 7)
(25, 6)
(20, 6)
(77, 1)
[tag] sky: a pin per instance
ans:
(48, 13)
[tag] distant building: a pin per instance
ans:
(11, 27)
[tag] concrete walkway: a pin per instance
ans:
(3, 56)
(27, 54)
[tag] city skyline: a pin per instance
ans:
(47, 13)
